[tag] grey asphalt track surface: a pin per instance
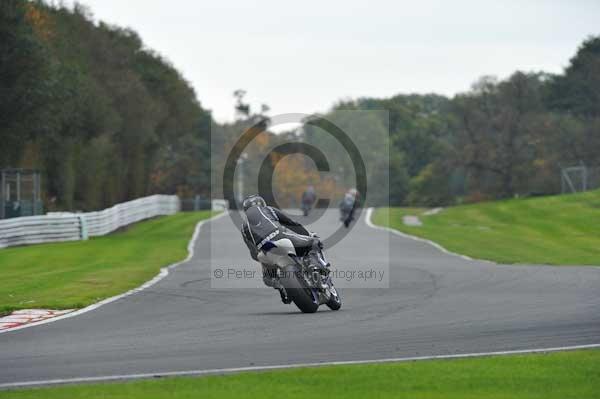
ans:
(436, 304)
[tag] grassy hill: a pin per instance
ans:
(557, 230)
(76, 274)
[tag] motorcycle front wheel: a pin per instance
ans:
(335, 301)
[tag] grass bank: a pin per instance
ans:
(559, 375)
(557, 230)
(76, 274)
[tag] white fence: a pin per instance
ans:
(78, 226)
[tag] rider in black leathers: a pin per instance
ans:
(264, 224)
(348, 206)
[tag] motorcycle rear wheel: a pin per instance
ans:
(302, 296)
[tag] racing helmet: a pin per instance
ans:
(253, 200)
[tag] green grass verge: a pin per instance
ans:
(558, 230)
(75, 274)
(558, 375)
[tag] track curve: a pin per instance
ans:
(436, 304)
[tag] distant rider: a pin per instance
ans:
(348, 205)
(265, 224)
(309, 196)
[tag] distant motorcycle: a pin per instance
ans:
(347, 210)
(308, 200)
(346, 217)
(306, 208)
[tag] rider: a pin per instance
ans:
(265, 224)
(349, 204)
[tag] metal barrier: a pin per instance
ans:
(65, 226)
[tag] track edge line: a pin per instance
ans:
(164, 272)
(370, 223)
(199, 373)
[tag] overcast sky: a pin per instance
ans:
(302, 56)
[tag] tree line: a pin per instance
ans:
(501, 139)
(102, 116)
(107, 119)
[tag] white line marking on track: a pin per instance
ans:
(192, 373)
(369, 223)
(164, 272)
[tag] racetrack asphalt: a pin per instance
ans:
(436, 304)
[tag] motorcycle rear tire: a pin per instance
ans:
(299, 293)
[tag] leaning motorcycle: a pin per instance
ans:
(346, 216)
(306, 278)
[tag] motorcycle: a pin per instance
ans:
(346, 216)
(347, 209)
(306, 208)
(306, 278)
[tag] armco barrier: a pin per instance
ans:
(77, 226)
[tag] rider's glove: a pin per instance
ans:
(315, 236)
